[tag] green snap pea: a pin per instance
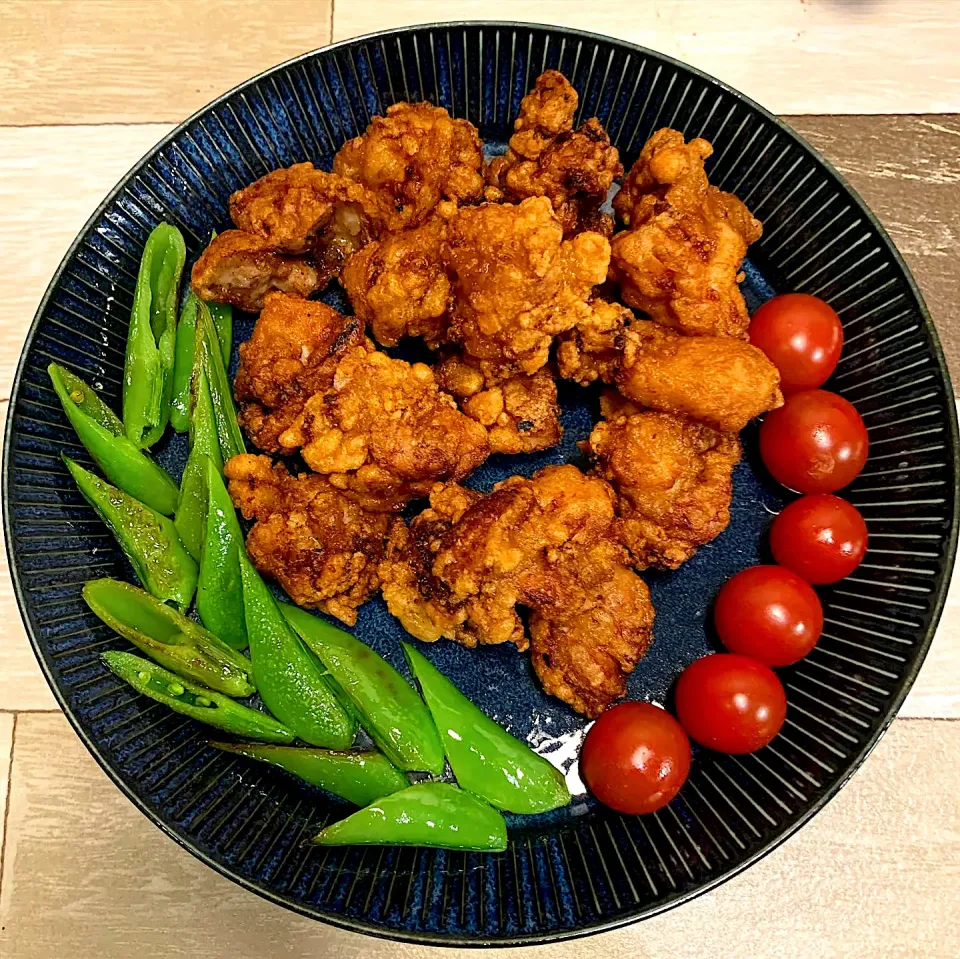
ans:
(170, 638)
(360, 777)
(485, 758)
(289, 679)
(101, 432)
(221, 392)
(151, 339)
(149, 540)
(428, 814)
(194, 701)
(390, 709)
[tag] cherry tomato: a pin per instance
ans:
(821, 538)
(802, 337)
(635, 758)
(815, 443)
(770, 614)
(730, 703)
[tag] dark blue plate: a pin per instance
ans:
(583, 868)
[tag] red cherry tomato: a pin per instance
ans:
(770, 614)
(815, 443)
(635, 758)
(821, 538)
(730, 703)
(802, 337)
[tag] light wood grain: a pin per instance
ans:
(84, 868)
(793, 56)
(6, 754)
(98, 61)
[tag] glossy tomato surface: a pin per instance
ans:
(730, 703)
(815, 443)
(635, 758)
(770, 614)
(821, 538)
(802, 337)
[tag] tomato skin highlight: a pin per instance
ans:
(802, 336)
(821, 538)
(769, 614)
(815, 443)
(635, 758)
(731, 704)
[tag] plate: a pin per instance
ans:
(584, 868)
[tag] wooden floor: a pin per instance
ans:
(87, 87)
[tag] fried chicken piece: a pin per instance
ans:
(518, 283)
(414, 157)
(399, 285)
(384, 433)
(240, 268)
(720, 381)
(584, 646)
(547, 157)
(672, 477)
(521, 414)
(680, 259)
(292, 354)
(589, 352)
(322, 548)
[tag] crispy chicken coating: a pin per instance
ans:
(521, 414)
(672, 477)
(590, 351)
(292, 354)
(720, 381)
(547, 157)
(680, 259)
(240, 268)
(518, 283)
(399, 285)
(546, 544)
(321, 547)
(414, 157)
(384, 433)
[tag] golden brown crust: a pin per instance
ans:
(591, 351)
(322, 548)
(241, 269)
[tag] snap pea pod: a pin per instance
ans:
(101, 432)
(148, 539)
(194, 701)
(221, 393)
(288, 677)
(151, 339)
(428, 814)
(191, 518)
(168, 637)
(390, 709)
(359, 777)
(222, 314)
(220, 586)
(485, 758)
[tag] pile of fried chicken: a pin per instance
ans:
(515, 273)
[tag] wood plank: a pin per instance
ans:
(106, 61)
(84, 867)
(6, 755)
(793, 56)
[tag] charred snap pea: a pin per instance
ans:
(101, 432)
(148, 539)
(151, 340)
(194, 701)
(289, 679)
(168, 637)
(390, 709)
(484, 757)
(358, 777)
(210, 359)
(220, 586)
(428, 814)
(191, 518)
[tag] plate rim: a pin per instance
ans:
(360, 926)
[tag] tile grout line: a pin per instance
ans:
(6, 807)
(332, 6)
